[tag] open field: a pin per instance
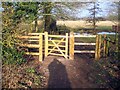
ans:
(76, 26)
(82, 24)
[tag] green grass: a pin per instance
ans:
(90, 29)
(105, 28)
(85, 39)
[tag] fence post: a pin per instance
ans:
(107, 47)
(99, 48)
(71, 45)
(116, 39)
(96, 48)
(46, 44)
(104, 48)
(40, 47)
(66, 47)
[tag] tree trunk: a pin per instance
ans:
(36, 25)
(47, 16)
(49, 22)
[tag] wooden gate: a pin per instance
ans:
(59, 45)
(56, 45)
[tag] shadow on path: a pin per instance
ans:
(58, 77)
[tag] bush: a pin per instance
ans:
(12, 56)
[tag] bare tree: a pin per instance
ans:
(94, 10)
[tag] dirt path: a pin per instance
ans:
(61, 73)
(56, 72)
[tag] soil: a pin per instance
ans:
(56, 72)
(78, 73)
(82, 72)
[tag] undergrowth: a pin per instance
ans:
(12, 56)
(109, 70)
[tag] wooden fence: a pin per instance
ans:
(107, 42)
(33, 40)
(60, 45)
(97, 50)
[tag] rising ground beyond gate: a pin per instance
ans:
(59, 45)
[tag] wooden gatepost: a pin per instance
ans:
(40, 47)
(71, 46)
(46, 44)
(105, 46)
(98, 47)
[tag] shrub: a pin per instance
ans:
(12, 56)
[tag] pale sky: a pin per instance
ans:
(84, 12)
(104, 7)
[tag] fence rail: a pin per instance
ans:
(31, 38)
(73, 44)
(28, 37)
(30, 45)
(84, 35)
(84, 43)
(84, 51)
(61, 36)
